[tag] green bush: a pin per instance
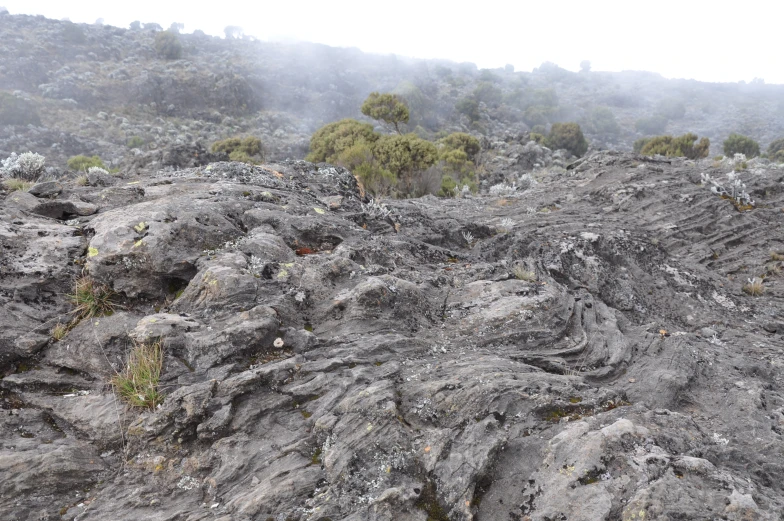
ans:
(682, 146)
(568, 136)
(776, 150)
(651, 126)
(328, 142)
(404, 155)
(16, 111)
(640, 144)
(82, 163)
(389, 108)
(246, 150)
(737, 144)
(469, 107)
(602, 122)
(359, 159)
(461, 141)
(168, 46)
(135, 142)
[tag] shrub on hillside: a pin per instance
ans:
(83, 163)
(359, 159)
(776, 150)
(167, 45)
(488, 94)
(652, 125)
(328, 142)
(682, 146)
(568, 136)
(404, 156)
(640, 144)
(461, 141)
(469, 107)
(738, 144)
(246, 150)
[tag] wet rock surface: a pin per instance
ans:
(579, 350)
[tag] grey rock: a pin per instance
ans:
(46, 189)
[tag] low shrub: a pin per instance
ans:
(568, 136)
(682, 146)
(328, 142)
(776, 150)
(83, 163)
(168, 46)
(24, 167)
(738, 144)
(135, 142)
(246, 150)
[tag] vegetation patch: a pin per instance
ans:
(91, 299)
(137, 384)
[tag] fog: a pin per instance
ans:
(692, 40)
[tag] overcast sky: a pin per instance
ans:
(707, 41)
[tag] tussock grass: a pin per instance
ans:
(776, 256)
(59, 331)
(13, 184)
(754, 288)
(523, 274)
(137, 384)
(81, 180)
(91, 299)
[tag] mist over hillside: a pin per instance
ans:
(71, 89)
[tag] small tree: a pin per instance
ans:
(388, 108)
(568, 136)
(168, 46)
(738, 144)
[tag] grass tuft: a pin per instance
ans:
(523, 274)
(776, 256)
(81, 180)
(59, 331)
(91, 299)
(13, 184)
(754, 287)
(137, 384)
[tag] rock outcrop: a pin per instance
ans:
(580, 350)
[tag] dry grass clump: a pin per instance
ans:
(521, 273)
(754, 287)
(776, 256)
(13, 184)
(137, 384)
(81, 180)
(91, 299)
(59, 331)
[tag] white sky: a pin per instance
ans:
(708, 41)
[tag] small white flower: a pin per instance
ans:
(278, 342)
